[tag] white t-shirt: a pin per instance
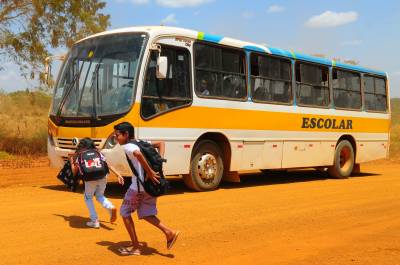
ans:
(129, 149)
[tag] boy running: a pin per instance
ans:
(136, 197)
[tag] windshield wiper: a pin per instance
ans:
(95, 93)
(95, 77)
(69, 89)
(83, 88)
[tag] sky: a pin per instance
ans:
(367, 31)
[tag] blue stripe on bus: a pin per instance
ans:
(254, 48)
(277, 51)
(324, 61)
(212, 38)
(313, 59)
(359, 69)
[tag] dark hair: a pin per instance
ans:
(85, 143)
(126, 127)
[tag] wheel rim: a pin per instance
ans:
(345, 159)
(207, 167)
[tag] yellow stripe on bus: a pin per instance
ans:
(218, 118)
(239, 119)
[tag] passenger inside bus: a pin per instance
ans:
(233, 86)
(203, 89)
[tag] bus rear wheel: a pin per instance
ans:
(343, 163)
(206, 167)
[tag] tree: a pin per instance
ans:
(29, 28)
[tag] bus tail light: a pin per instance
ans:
(111, 142)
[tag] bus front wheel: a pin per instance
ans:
(206, 167)
(343, 162)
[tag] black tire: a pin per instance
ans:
(206, 167)
(343, 161)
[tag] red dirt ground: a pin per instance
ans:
(278, 218)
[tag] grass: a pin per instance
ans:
(395, 130)
(23, 124)
(5, 156)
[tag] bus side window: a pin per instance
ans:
(346, 89)
(312, 84)
(375, 93)
(220, 72)
(270, 79)
(162, 95)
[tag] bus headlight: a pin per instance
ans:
(111, 142)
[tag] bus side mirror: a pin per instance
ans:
(162, 67)
(47, 74)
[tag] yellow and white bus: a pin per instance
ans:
(221, 105)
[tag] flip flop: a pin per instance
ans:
(172, 241)
(113, 215)
(126, 251)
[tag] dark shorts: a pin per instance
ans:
(142, 202)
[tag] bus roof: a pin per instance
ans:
(164, 30)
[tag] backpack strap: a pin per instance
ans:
(79, 158)
(134, 172)
(135, 142)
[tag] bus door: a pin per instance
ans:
(164, 99)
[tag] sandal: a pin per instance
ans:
(171, 242)
(129, 251)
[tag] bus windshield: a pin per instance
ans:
(99, 76)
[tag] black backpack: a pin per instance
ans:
(91, 166)
(155, 162)
(68, 178)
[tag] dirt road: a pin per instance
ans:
(291, 218)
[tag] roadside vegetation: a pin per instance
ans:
(23, 124)
(395, 130)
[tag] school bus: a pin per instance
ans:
(222, 106)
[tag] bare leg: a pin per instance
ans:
(130, 227)
(169, 233)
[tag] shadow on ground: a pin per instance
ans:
(79, 222)
(144, 248)
(274, 177)
(116, 191)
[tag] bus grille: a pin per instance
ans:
(66, 143)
